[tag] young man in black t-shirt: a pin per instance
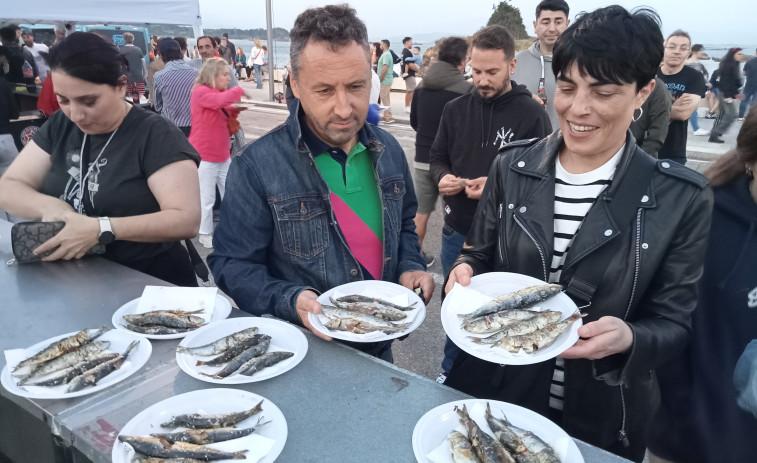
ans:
(408, 72)
(687, 88)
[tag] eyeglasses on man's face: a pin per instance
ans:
(682, 48)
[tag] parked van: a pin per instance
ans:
(44, 33)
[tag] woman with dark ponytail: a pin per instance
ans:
(730, 82)
(114, 173)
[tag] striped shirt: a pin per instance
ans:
(574, 196)
(173, 90)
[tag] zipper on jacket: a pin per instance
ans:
(638, 263)
(541, 253)
(501, 240)
(622, 435)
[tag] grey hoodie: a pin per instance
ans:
(528, 71)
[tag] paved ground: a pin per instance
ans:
(421, 352)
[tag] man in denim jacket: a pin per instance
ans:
(324, 199)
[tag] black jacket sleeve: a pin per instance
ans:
(439, 154)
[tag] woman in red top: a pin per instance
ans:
(210, 135)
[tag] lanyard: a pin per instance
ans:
(541, 57)
(80, 194)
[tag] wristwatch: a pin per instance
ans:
(106, 233)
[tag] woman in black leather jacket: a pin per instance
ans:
(635, 260)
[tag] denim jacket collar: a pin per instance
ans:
(366, 135)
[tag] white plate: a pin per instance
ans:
(284, 336)
(119, 341)
(221, 310)
(207, 401)
(372, 288)
(495, 284)
(434, 427)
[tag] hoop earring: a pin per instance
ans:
(749, 171)
(636, 119)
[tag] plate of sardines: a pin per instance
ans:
(241, 350)
(204, 425)
(510, 318)
(74, 364)
(168, 322)
(368, 311)
(475, 430)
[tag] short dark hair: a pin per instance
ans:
(226, 34)
(169, 50)
(697, 47)
(494, 37)
(453, 50)
(212, 40)
(679, 33)
(612, 45)
(8, 33)
(552, 5)
(404, 41)
(182, 42)
(386, 42)
(335, 25)
(89, 57)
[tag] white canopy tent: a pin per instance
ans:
(177, 12)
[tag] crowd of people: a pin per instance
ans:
(564, 162)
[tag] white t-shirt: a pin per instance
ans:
(375, 87)
(256, 56)
(42, 68)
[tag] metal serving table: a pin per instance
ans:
(340, 405)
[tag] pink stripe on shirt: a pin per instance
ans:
(363, 242)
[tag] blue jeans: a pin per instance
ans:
(750, 98)
(258, 80)
(694, 121)
(452, 243)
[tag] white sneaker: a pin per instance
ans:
(206, 240)
(407, 109)
(701, 132)
(741, 119)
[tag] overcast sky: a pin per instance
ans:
(708, 21)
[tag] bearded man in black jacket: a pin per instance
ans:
(472, 130)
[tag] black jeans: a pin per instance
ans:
(726, 116)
